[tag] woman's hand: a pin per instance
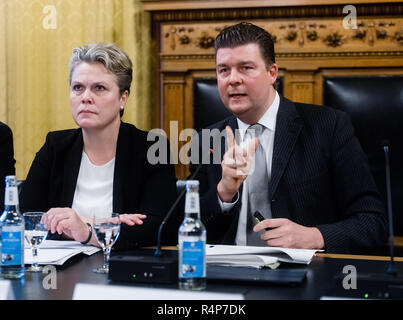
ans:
(67, 222)
(132, 219)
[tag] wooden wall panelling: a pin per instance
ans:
(300, 86)
(174, 110)
(310, 42)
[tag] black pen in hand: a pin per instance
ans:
(260, 218)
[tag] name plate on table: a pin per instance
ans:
(6, 291)
(84, 291)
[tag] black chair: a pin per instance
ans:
(375, 105)
(208, 107)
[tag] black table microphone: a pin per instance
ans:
(383, 285)
(158, 251)
(143, 266)
(392, 268)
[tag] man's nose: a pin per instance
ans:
(235, 77)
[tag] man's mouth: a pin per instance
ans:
(237, 95)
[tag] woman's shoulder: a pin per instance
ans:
(134, 134)
(61, 135)
(63, 139)
(141, 139)
(128, 128)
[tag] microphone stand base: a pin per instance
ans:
(141, 266)
(369, 286)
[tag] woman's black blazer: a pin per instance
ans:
(138, 186)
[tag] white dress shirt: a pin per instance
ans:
(94, 188)
(268, 120)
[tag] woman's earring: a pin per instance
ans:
(122, 107)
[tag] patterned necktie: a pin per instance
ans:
(258, 192)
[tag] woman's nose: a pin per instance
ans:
(87, 97)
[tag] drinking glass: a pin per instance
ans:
(34, 233)
(106, 231)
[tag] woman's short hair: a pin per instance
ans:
(245, 33)
(113, 58)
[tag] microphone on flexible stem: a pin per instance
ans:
(158, 251)
(383, 285)
(392, 268)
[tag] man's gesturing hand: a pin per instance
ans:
(236, 165)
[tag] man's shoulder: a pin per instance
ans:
(314, 112)
(315, 118)
(220, 125)
(5, 129)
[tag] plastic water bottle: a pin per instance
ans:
(12, 233)
(192, 242)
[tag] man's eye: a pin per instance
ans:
(100, 88)
(77, 87)
(222, 70)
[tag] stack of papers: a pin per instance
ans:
(256, 256)
(58, 252)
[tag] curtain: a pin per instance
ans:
(36, 42)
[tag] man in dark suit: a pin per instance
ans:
(6, 159)
(315, 191)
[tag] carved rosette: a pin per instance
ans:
(300, 36)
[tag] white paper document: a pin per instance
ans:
(58, 252)
(250, 260)
(256, 256)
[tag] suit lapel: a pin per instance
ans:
(122, 164)
(71, 169)
(130, 150)
(288, 128)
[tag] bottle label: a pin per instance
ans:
(11, 244)
(11, 196)
(192, 204)
(193, 259)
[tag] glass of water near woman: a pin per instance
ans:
(35, 233)
(107, 229)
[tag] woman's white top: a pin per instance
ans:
(94, 189)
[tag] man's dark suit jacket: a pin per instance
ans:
(138, 186)
(319, 177)
(7, 161)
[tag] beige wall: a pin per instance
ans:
(34, 56)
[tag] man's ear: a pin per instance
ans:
(273, 73)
